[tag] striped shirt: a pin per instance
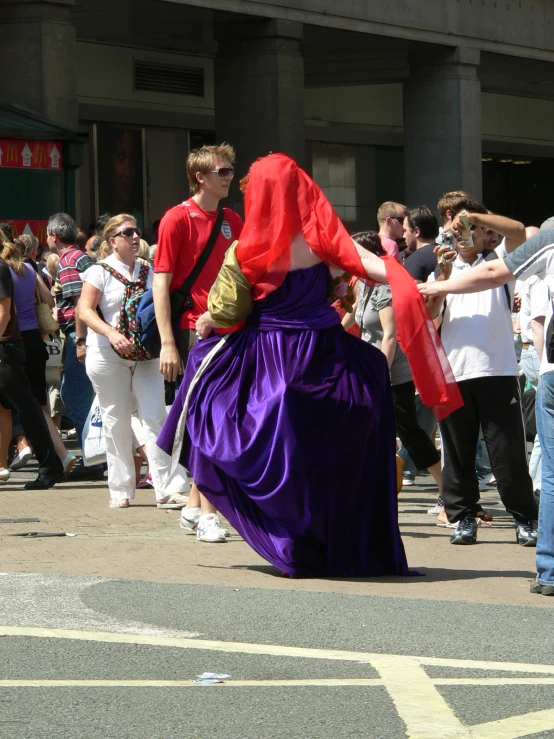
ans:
(536, 257)
(70, 266)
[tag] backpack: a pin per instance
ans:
(127, 323)
(180, 300)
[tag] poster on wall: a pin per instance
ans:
(119, 171)
(27, 226)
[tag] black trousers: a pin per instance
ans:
(16, 394)
(494, 403)
(421, 449)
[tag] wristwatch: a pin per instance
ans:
(79, 340)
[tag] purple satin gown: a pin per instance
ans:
(290, 434)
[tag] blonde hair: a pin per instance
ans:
(115, 223)
(13, 256)
(202, 161)
(105, 250)
(27, 243)
(143, 254)
(388, 210)
(52, 265)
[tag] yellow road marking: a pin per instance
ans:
(418, 702)
(515, 726)
(416, 697)
(276, 650)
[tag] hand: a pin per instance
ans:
(445, 259)
(204, 325)
(433, 289)
(81, 352)
(517, 303)
(121, 343)
(170, 362)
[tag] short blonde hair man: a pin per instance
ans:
(201, 161)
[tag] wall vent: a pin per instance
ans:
(169, 79)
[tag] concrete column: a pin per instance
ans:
(259, 91)
(442, 125)
(39, 68)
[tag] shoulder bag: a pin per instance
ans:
(180, 299)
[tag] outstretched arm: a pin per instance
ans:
(374, 266)
(484, 277)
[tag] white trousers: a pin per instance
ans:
(118, 384)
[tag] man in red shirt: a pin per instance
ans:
(183, 234)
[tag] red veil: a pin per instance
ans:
(281, 201)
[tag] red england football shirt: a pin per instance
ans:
(183, 234)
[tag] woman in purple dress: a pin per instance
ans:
(287, 423)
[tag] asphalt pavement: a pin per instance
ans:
(104, 633)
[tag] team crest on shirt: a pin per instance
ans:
(226, 229)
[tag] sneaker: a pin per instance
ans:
(539, 589)
(68, 463)
(437, 508)
(526, 533)
(466, 531)
(407, 482)
(209, 529)
(21, 458)
(189, 519)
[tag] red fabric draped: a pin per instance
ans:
(281, 201)
(420, 342)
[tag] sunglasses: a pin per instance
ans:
(224, 172)
(400, 219)
(128, 232)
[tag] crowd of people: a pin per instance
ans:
(264, 381)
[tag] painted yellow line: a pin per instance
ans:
(276, 650)
(417, 701)
(515, 726)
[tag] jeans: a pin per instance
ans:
(530, 365)
(76, 389)
(545, 427)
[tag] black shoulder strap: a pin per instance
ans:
(488, 256)
(185, 288)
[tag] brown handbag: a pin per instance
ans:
(47, 324)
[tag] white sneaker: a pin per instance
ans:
(437, 508)
(209, 529)
(408, 482)
(189, 520)
(21, 458)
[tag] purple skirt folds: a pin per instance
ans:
(290, 434)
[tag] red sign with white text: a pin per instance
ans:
(21, 154)
(37, 228)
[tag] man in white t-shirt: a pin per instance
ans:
(534, 257)
(477, 334)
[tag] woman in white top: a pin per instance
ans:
(118, 380)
